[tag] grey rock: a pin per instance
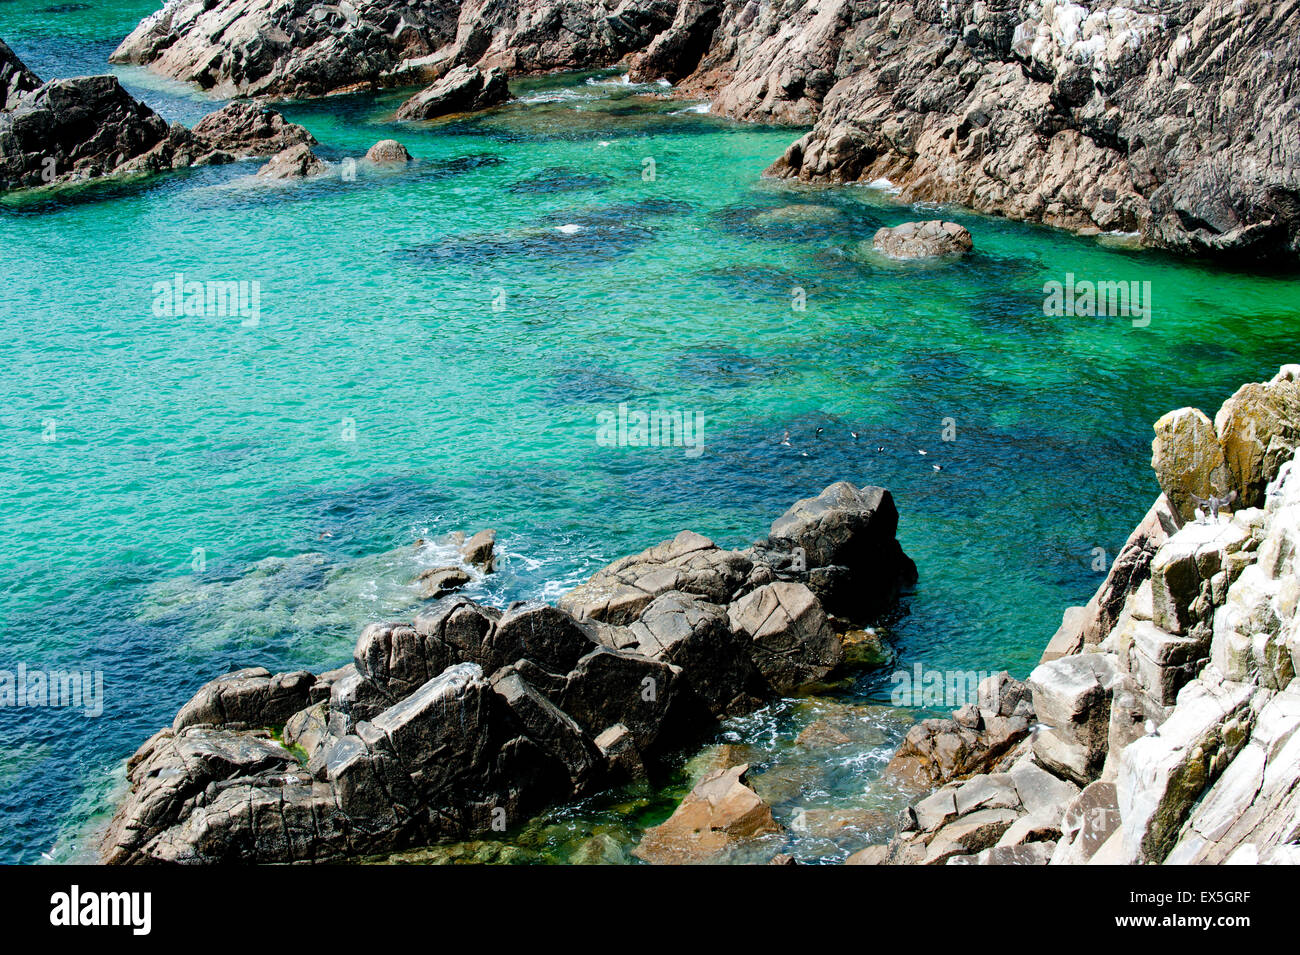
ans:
(464, 89)
(923, 240)
(251, 697)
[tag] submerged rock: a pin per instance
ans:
(463, 90)
(719, 813)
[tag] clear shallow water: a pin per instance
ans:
(377, 301)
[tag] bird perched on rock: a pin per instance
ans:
(1210, 506)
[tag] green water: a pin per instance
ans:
(201, 504)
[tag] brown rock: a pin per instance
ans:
(388, 151)
(721, 812)
(1188, 460)
(296, 162)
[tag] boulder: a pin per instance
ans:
(247, 129)
(464, 89)
(721, 812)
(436, 582)
(172, 769)
(388, 152)
(920, 240)
(543, 635)
(479, 551)
(252, 697)
(938, 751)
(608, 687)
(690, 633)
(852, 528)
(575, 757)
(1188, 460)
(791, 643)
(1072, 699)
(295, 162)
(86, 128)
(1259, 429)
(689, 563)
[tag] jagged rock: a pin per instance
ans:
(480, 551)
(938, 751)
(388, 152)
(1027, 853)
(851, 528)
(1089, 820)
(1259, 429)
(721, 811)
(16, 81)
(791, 642)
(223, 46)
(1255, 803)
(79, 129)
(608, 687)
(676, 52)
(295, 162)
(246, 129)
(1188, 460)
(969, 835)
(1080, 116)
(688, 563)
(463, 90)
(922, 240)
(697, 636)
(436, 582)
(543, 635)
(252, 697)
(1072, 699)
(575, 755)
(172, 769)
(1161, 777)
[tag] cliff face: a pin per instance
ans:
(1173, 119)
(1175, 737)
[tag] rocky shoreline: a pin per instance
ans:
(1171, 120)
(468, 719)
(1163, 723)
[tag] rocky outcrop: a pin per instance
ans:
(76, 130)
(242, 48)
(1175, 738)
(246, 129)
(1080, 115)
(923, 240)
(1170, 119)
(468, 718)
(464, 89)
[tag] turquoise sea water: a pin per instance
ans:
(432, 354)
